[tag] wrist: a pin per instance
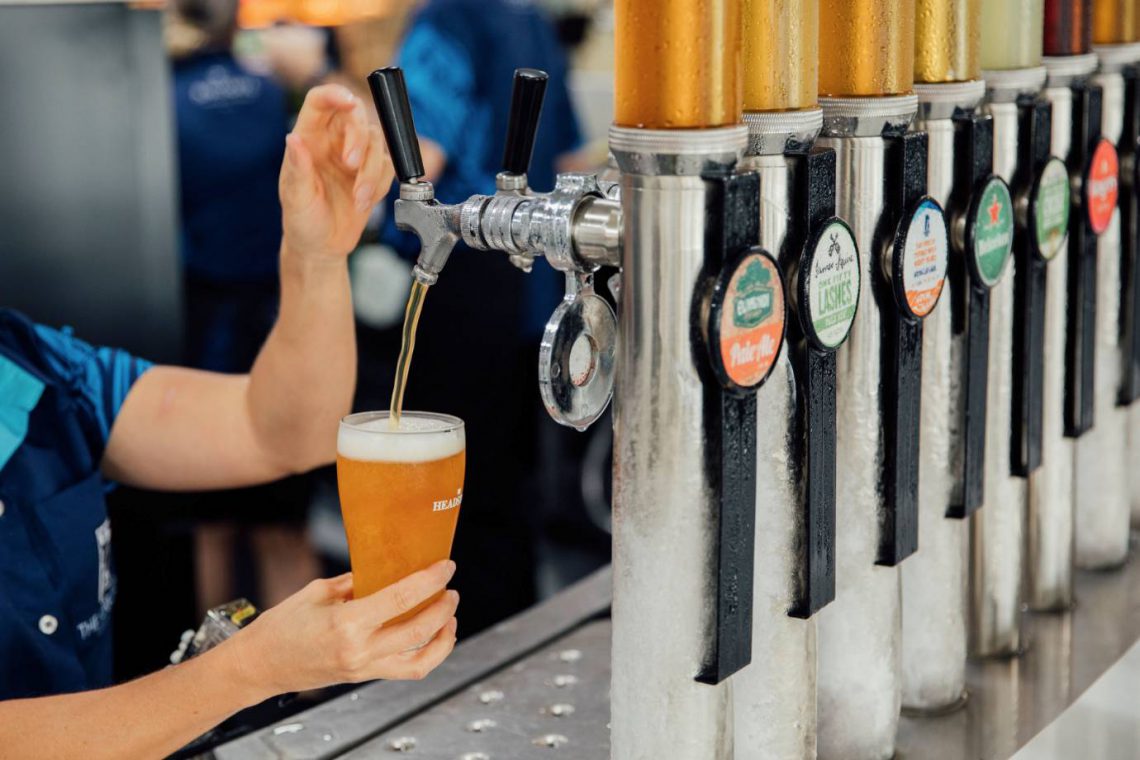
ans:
(241, 666)
(295, 261)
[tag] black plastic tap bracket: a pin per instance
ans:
(901, 376)
(1080, 337)
(811, 180)
(732, 210)
(1035, 125)
(973, 165)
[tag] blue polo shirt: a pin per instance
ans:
(231, 140)
(59, 397)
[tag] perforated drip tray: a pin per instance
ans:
(556, 699)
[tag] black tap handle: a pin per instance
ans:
(391, 97)
(522, 125)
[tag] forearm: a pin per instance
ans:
(148, 718)
(303, 380)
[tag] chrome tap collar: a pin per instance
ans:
(943, 101)
(868, 117)
(1069, 69)
(679, 152)
(1115, 58)
(1007, 85)
(774, 132)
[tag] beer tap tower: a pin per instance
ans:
(967, 356)
(1011, 59)
(1101, 493)
(775, 698)
(698, 297)
(866, 81)
(1096, 491)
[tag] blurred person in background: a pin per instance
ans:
(231, 136)
(477, 350)
(76, 419)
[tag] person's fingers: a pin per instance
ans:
(402, 596)
(298, 175)
(356, 137)
(321, 104)
(419, 629)
(376, 174)
(414, 666)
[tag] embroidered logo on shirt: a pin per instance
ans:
(103, 542)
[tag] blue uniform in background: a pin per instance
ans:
(231, 140)
(59, 398)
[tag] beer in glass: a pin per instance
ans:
(400, 490)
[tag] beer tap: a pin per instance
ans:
(1103, 522)
(866, 88)
(967, 355)
(513, 220)
(699, 298)
(417, 210)
(775, 700)
(1081, 103)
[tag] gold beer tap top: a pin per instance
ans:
(1115, 22)
(677, 63)
(780, 51)
(947, 38)
(866, 47)
(1012, 34)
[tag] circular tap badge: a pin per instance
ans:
(829, 285)
(992, 232)
(1102, 186)
(1050, 208)
(747, 319)
(920, 260)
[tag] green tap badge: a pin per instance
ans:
(993, 232)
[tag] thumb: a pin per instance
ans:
(299, 184)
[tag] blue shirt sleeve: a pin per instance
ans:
(102, 376)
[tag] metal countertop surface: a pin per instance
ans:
(537, 687)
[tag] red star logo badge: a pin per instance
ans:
(995, 211)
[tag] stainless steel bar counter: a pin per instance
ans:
(540, 681)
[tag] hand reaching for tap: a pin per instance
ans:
(336, 169)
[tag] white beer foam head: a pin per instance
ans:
(418, 439)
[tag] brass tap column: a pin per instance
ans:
(866, 87)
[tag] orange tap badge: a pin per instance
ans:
(747, 321)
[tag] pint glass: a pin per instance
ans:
(400, 491)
